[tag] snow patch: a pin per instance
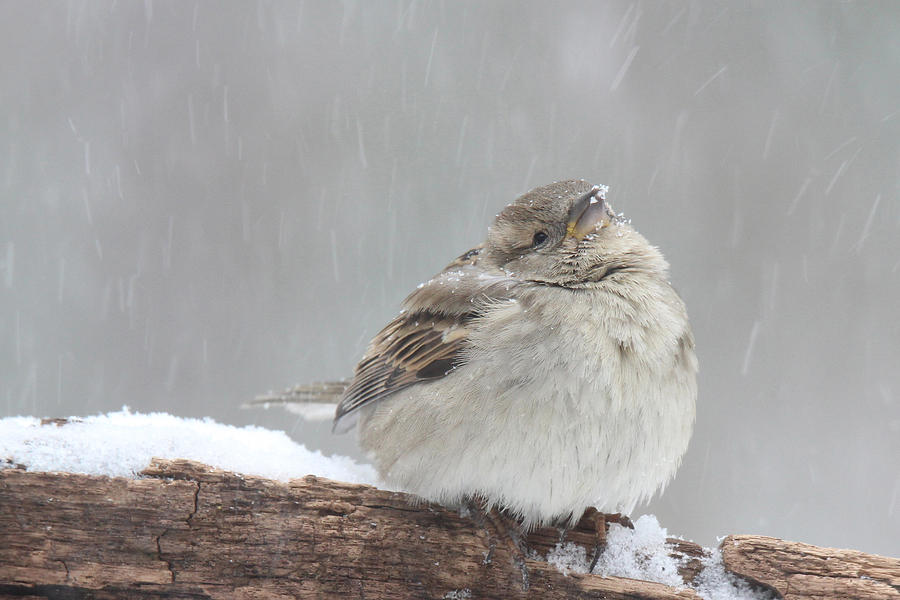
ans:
(715, 583)
(643, 553)
(639, 553)
(121, 444)
(568, 558)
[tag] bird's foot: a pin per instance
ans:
(593, 521)
(591, 530)
(506, 528)
(619, 519)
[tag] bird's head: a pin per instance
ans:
(566, 234)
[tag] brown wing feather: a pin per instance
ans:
(412, 348)
(421, 344)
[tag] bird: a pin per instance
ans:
(549, 370)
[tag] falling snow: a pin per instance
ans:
(199, 202)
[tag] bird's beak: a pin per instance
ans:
(589, 214)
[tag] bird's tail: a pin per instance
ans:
(313, 402)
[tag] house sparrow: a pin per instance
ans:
(547, 370)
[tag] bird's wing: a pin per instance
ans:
(412, 348)
(425, 342)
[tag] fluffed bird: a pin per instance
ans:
(547, 370)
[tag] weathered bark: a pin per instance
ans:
(187, 530)
(798, 571)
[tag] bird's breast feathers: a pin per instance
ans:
(566, 404)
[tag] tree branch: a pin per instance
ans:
(187, 530)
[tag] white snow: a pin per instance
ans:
(643, 553)
(122, 443)
(568, 558)
(715, 583)
(639, 553)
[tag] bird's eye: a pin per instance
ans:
(539, 239)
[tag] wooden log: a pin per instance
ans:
(187, 530)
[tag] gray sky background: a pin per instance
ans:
(200, 202)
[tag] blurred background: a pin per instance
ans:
(201, 202)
